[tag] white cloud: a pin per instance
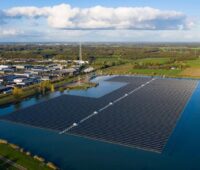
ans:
(9, 32)
(24, 11)
(64, 16)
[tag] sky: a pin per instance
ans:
(99, 21)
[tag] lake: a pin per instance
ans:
(73, 153)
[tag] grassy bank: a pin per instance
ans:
(6, 166)
(7, 99)
(32, 91)
(61, 85)
(10, 98)
(24, 159)
(82, 86)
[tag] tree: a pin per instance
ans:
(52, 88)
(17, 92)
(44, 86)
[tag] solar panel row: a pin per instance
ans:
(56, 114)
(145, 119)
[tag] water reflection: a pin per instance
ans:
(17, 106)
(103, 88)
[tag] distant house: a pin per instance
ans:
(22, 74)
(2, 67)
(80, 62)
(19, 80)
(53, 67)
(20, 67)
(9, 70)
(76, 67)
(47, 77)
(7, 78)
(33, 73)
(5, 90)
(24, 81)
(35, 79)
(60, 61)
(39, 70)
(69, 71)
(24, 67)
(88, 70)
(6, 69)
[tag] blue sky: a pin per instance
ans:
(100, 20)
(191, 6)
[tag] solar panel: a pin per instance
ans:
(61, 112)
(143, 120)
(141, 114)
(56, 113)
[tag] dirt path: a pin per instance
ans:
(13, 164)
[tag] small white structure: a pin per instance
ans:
(80, 62)
(2, 67)
(88, 70)
(23, 81)
(95, 112)
(19, 80)
(55, 67)
(69, 71)
(20, 67)
(60, 61)
(23, 74)
(45, 78)
(75, 124)
(173, 68)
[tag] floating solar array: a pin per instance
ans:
(56, 114)
(144, 117)
(61, 112)
(136, 82)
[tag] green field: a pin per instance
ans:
(20, 158)
(152, 72)
(128, 69)
(153, 60)
(194, 63)
(158, 67)
(6, 166)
